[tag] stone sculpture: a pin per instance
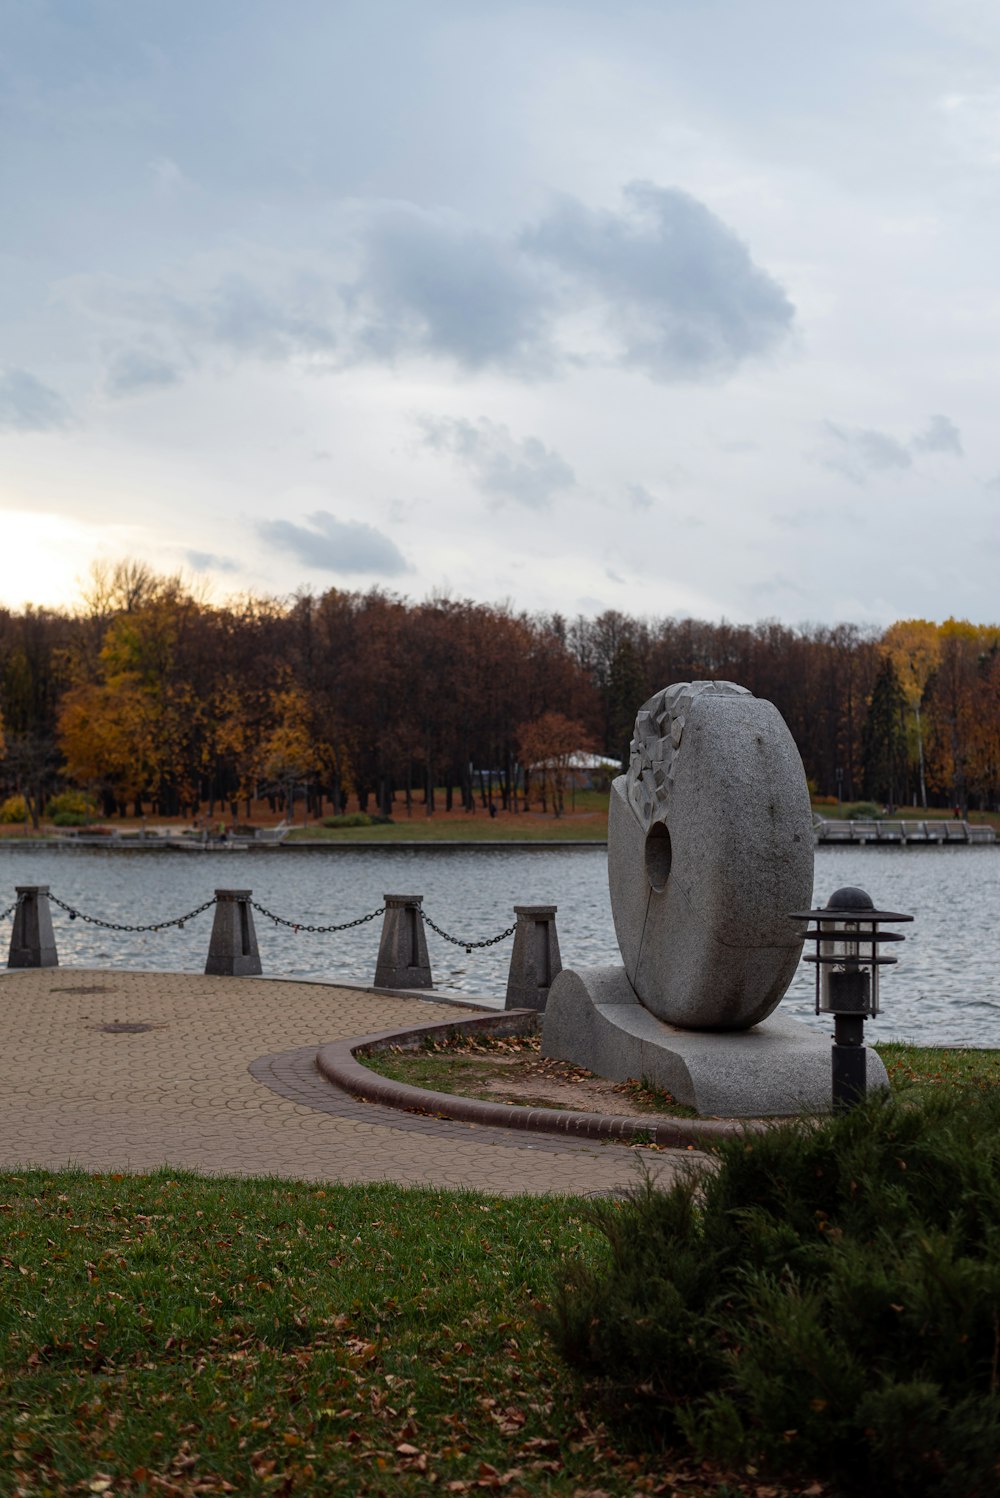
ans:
(709, 847)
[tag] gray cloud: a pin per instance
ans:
(857, 452)
(432, 283)
(640, 498)
(663, 287)
(335, 545)
(940, 435)
(207, 561)
(502, 466)
(137, 369)
(682, 297)
(26, 405)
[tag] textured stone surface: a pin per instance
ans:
(32, 941)
(232, 950)
(225, 1080)
(403, 961)
(534, 959)
(709, 847)
(782, 1066)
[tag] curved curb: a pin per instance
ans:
(336, 1061)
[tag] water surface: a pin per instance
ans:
(945, 990)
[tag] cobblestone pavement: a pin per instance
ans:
(217, 1075)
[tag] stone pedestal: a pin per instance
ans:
(232, 950)
(32, 941)
(778, 1067)
(402, 953)
(535, 961)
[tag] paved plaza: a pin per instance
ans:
(218, 1075)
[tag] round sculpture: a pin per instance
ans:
(709, 847)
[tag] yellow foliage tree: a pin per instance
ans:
(914, 647)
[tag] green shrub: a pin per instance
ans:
(349, 819)
(826, 1303)
(13, 810)
(71, 809)
(863, 811)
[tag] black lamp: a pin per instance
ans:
(848, 958)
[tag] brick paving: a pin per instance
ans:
(218, 1075)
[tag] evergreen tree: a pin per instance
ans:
(883, 743)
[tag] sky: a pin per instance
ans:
(675, 307)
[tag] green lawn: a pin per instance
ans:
(181, 1335)
(527, 827)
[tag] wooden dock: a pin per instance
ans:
(900, 832)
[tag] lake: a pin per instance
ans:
(945, 990)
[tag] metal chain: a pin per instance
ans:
(279, 920)
(11, 908)
(491, 941)
(93, 920)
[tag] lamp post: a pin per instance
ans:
(847, 959)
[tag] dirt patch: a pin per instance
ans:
(512, 1070)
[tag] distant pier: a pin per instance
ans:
(936, 832)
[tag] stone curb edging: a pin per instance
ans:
(336, 1061)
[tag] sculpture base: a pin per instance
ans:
(779, 1067)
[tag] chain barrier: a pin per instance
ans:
(491, 941)
(279, 920)
(180, 920)
(93, 920)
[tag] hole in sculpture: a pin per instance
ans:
(658, 856)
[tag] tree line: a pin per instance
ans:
(149, 696)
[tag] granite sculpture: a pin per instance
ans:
(709, 847)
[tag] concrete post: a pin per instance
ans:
(402, 952)
(232, 951)
(32, 941)
(535, 960)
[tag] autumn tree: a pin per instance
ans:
(547, 746)
(914, 647)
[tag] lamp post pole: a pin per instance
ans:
(847, 958)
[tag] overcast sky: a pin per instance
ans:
(669, 306)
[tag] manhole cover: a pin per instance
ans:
(125, 1029)
(84, 989)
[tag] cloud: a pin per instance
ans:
(502, 466)
(663, 287)
(640, 498)
(863, 449)
(136, 369)
(207, 561)
(335, 545)
(432, 283)
(857, 452)
(26, 405)
(274, 309)
(680, 293)
(940, 435)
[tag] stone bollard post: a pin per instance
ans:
(32, 941)
(402, 952)
(535, 960)
(232, 951)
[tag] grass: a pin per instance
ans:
(928, 1068)
(444, 828)
(465, 1067)
(170, 1334)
